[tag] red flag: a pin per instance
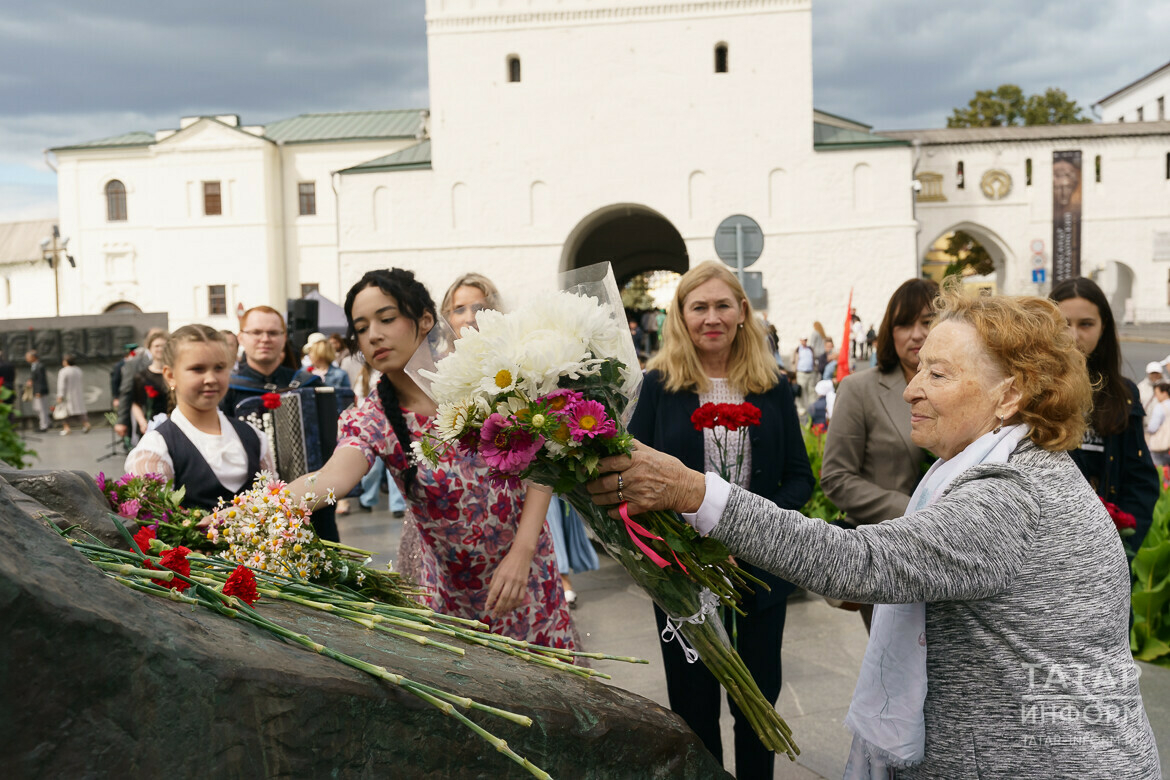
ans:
(843, 350)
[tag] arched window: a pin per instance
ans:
(115, 201)
(721, 58)
(514, 68)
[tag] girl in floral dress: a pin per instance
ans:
(487, 554)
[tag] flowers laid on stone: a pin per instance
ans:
(539, 393)
(151, 500)
(232, 589)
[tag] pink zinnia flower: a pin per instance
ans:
(125, 479)
(561, 400)
(588, 419)
(101, 481)
(505, 447)
(129, 509)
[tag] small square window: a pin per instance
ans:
(309, 288)
(212, 206)
(217, 299)
(307, 195)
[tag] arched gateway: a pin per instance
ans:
(633, 238)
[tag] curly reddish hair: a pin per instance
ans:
(1029, 340)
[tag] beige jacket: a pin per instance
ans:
(871, 467)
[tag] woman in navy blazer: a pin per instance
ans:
(715, 350)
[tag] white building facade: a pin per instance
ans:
(1143, 100)
(1005, 200)
(567, 133)
(563, 133)
(210, 217)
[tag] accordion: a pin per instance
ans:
(303, 429)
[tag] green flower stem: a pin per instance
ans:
(346, 547)
(155, 590)
(127, 570)
(490, 738)
(467, 703)
(422, 640)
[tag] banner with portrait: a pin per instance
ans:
(1066, 215)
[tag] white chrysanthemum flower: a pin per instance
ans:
(453, 419)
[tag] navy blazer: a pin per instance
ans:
(780, 467)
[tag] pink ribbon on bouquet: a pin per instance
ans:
(635, 530)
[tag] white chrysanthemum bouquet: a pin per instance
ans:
(540, 394)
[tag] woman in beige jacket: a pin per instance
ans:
(870, 465)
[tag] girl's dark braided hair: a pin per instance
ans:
(413, 302)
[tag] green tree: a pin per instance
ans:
(967, 253)
(1053, 108)
(1006, 106)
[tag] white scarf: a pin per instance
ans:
(886, 713)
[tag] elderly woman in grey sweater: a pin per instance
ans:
(1000, 644)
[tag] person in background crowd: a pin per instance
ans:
(71, 393)
(352, 364)
(650, 330)
(857, 337)
(1146, 386)
(233, 347)
(870, 342)
(821, 412)
(263, 369)
(133, 366)
(804, 361)
(466, 298)
(490, 556)
(636, 332)
(715, 352)
(321, 356)
(198, 447)
(1158, 428)
(116, 375)
(149, 394)
(871, 464)
(829, 366)
(7, 374)
(40, 389)
(1004, 590)
(1113, 456)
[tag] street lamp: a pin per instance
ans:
(51, 251)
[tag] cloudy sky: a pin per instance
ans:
(76, 70)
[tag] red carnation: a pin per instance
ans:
(1122, 519)
(749, 414)
(143, 537)
(271, 400)
(704, 417)
(818, 429)
(242, 584)
(175, 559)
(150, 391)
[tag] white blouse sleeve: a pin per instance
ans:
(151, 457)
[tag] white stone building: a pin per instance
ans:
(1143, 100)
(212, 216)
(1004, 198)
(566, 133)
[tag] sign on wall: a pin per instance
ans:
(1066, 215)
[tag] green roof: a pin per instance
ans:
(829, 137)
(136, 138)
(348, 126)
(412, 158)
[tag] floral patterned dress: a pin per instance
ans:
(467, 525)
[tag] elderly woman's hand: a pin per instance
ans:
(648, 480)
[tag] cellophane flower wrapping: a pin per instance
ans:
(543, 393)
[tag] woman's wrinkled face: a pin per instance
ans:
(712, 315)
(909, 338)
(466, 304)
(955, 394)
(1084, 323)
(386, 337)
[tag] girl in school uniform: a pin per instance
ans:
(199, 447)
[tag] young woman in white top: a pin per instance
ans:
(199, 448)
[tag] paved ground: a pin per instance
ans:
(823, 647)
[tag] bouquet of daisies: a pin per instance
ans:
(542, 394)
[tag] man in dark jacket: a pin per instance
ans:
(40, 388)
(263, 369)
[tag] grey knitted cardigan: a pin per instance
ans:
(1029, 671)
